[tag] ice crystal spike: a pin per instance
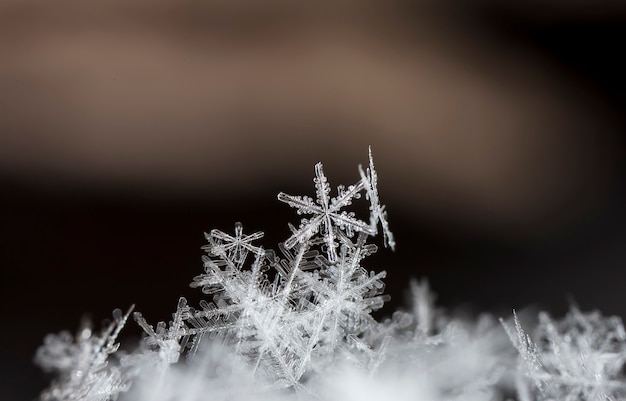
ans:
(530, 360)
(378, 212)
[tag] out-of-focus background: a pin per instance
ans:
(128, 128)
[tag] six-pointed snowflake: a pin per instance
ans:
(327, 214)
(235, 247)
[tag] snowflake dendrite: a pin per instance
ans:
(328, 216)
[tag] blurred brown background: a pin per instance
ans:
(127, 128)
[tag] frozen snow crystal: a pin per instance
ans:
(327, 214)
(234, 247)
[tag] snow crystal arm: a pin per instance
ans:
(147, 328)
(531, 360)
(295, 268)
(344, 219)
(303, 204)
(308, 229)
(118, 324)
(345, 197)
(374, 281)
(323, 190)
(105, 344)
(378, 212)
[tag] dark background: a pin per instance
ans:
(127, 129)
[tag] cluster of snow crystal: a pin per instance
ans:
(580, 357)
(296, 323)
(81, 364)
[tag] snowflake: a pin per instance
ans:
(234, 248)
(327, 214)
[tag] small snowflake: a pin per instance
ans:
(327, 214)
(235, 248)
